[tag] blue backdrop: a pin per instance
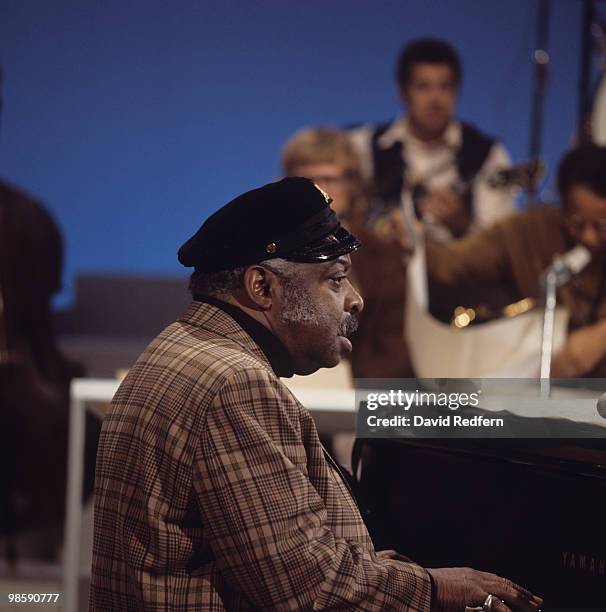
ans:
(133, 120)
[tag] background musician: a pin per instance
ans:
(34, 379)
(34, 376)
(443, 162)
(445, 165)
(516, 251)
(326, 156)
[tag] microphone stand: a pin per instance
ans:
(541, 60)
(584, 103)
(563, 268)
(551, 285)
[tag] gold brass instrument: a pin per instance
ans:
(464, 316)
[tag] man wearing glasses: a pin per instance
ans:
(325, 155)
(516, 251)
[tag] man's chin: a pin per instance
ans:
(326, 361)
(342, 350)
(435, 126)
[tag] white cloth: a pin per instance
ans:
(505, 348)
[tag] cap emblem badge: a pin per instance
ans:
(326, 196)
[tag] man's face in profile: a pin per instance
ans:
(430, 96)
(317, 312)
(585, 218)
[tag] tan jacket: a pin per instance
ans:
(379, 347)
(213, 491)
(515, 252)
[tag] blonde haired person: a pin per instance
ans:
(325, 155)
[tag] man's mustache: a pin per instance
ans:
(348, 326)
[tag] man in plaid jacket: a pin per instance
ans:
(213, 491)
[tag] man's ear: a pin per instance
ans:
(260, 286)
(403, 93)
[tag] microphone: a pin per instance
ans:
(564, 267)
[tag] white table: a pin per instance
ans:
(333, 410)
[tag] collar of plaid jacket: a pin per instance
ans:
(273, 349)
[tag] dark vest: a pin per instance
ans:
(389, 170)
(389, 165)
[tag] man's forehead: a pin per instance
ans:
(335, 166)
(343, 261)
(581, 200)
(340, 263)
(431, 69)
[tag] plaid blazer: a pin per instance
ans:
(213, 491)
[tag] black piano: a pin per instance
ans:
(530, 510)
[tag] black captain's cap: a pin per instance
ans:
(290, 219)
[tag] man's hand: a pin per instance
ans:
(447, 208)
(391, 230)
(401, 233)
(458, 587)
(583, 351)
